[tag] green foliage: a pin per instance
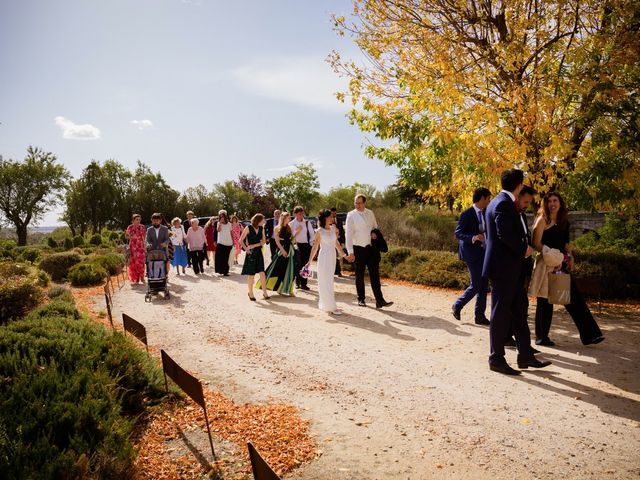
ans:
(233, 199)
(426, 228)
(58, 307)
(8, 249)
(89, 250)
(29, 254)
(58, 264)
(78, 241)
(300, 187)
(618, 273)
(620, 233)
(60, 292)
(29, 189)
(96, 239)
(43, 278)
(110, 262)
(86, 273)
(68, 244)
(19, 291)
(74, 391)
(51, 242)
(199, 200)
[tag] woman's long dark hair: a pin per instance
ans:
(322, 217)
(563, 214)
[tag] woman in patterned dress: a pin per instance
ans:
(236, 231)
(136, 234)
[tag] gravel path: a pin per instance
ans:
(406, 392)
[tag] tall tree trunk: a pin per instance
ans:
(21, 230)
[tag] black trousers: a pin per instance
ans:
(579, 311)
(273, 247)
(186, 247)
(303, 254)
(222, 258)
(508, 314)
(367, 258)
(196, 257)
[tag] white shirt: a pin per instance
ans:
(177, 237)
(302, 236)
(157, 229)
(275, 225)
(358, 228)
(224, 234)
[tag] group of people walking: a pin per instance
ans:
(496, 244)
(293, 243)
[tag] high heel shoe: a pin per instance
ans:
(266, 296)
(253, 299)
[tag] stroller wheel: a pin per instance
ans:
(147, 298)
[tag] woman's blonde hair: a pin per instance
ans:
(284, 215)
(176, 219)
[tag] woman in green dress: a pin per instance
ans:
(252, 240)
(281, 272)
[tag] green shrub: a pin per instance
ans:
(14, 269)
(96, 239)
(88, 250)
(18, 295)
(426, 229)
(619, 234)
(61, 293)
(110, 262)
(113, 236)
(86, 273)
(60, 307)
(68, 244)
(58, 264)
(29, 254)
(78, 241)
(43, 278)
(8, 249)
(52, 242)
(396, 256)
(618, 274)
(74, 392)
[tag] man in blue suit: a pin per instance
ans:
(470, 235)
(506, 249)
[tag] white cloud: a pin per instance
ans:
(74, 131)
(318, 164)
(306, 81)
(142, 124)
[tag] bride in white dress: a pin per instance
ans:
(327, 240)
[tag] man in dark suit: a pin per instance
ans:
(470, 235)
(506, 249)
(340, 227)
(270, 230)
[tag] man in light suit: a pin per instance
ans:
(470, 235)
(157, 234)
(506, 249)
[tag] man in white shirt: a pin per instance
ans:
(358, 235)
(303, 234)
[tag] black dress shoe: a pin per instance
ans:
(503, 368)
(545, 342)
(532, 362)
(361, 303)
(384, 304)
(304, 287)
(456, 313)
(593, 341)
(510, 342)
(482, 321)
(534, 350)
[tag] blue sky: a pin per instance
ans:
(199, 90)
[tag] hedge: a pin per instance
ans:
(86, 273)
(617, 274)
(70, 394)
(109, 261)
(58, 264)
(19, 290)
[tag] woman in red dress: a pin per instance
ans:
(136, 234)
(209, 235)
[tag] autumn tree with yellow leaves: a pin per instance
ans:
(462, 89)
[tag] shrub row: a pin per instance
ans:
(69, 395)
(20, 289)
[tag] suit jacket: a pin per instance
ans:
(506, 241)
(269, 227)
(468, 227)
(528, 262)
(340, 228)
(161, 241)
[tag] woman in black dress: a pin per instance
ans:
(252, 240)
(551, 228)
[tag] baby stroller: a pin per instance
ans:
(156, 274)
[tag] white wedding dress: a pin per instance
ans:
(326, 269)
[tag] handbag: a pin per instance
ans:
(559, 288)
